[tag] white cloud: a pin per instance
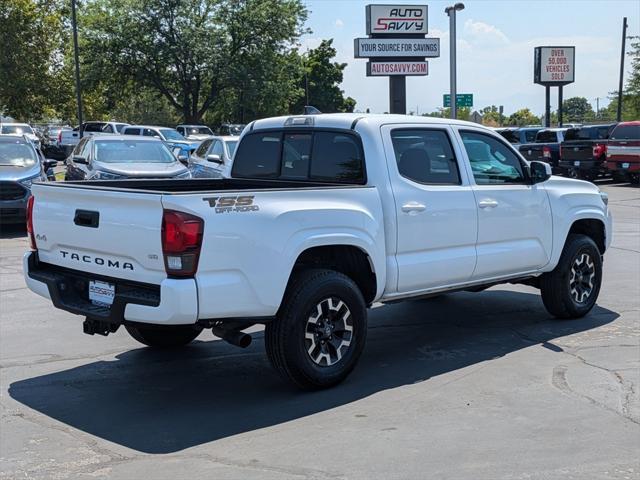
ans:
(483, 32)
(339, 23)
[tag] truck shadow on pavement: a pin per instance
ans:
(163, 402)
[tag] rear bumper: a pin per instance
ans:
(585, 165)
(173, 302)
(616, 166)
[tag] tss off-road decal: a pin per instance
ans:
(241, 203)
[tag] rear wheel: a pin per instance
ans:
(572, 288)
(320, 331)
(164, 336)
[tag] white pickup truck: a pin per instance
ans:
(68, 139)
(323, 216)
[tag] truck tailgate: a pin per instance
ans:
(102, 231)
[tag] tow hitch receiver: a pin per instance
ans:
(91, 327)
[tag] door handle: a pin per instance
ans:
(487, 203)
(413, 207)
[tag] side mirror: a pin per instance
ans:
(184, 159)
(49, 163)
(214, 158)
(79, 159)
(540, 172)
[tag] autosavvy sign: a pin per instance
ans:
(554, 65)
(376, 69)
(396, 19)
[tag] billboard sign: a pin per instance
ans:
(396, 19)
(396, 47)
(409, 68)
(554, 65)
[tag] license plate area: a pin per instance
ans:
(625, 165)
(576, 163)
(101, 293)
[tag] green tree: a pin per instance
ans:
(192, 52)
(522, 118)
(577, 109)
(464, 113)
(31, 38)
(491, 116)
(321, 77)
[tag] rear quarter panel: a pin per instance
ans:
(247, 256)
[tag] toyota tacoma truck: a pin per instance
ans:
(623, 152)
(584, 150)
(323, 216)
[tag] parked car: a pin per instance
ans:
(20, 166)
(231, 129)
(194, 132)
(584, 151)
(119, 156)
(21, 129)
(68, 139)
(545, 148)
(322, 217)
(212, 159)
(50, 142)
(518, 135)
(623, 152)
(179, 145)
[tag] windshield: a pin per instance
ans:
(232, 147)
(17, 154)
(132, 151)
(199, 131)
(170, 134)
(16, 129)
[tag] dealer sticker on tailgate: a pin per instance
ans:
(101, 293)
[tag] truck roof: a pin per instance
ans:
(348, 120)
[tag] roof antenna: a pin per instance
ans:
(309, 110)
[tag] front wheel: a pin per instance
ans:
(320, 331)
(164, 336)
(571, 289)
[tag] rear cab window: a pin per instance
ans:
(308, 155)
(547, 136)
(626, 132)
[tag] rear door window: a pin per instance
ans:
(131, 131)
(94, 127)
(319, 155)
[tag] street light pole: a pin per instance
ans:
(451, 11)
(77, 64)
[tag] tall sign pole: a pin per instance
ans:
(553, 67)
(397, 47)
(620, 85)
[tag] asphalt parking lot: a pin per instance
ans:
(479, 386)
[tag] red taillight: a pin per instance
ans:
(181, 242)
(60, 137)
(599, 149)
(32, 238)
(546, 152)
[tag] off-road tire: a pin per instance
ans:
(558, 295)
(169, 336)
(287, 338)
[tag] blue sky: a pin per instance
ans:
(495, 49)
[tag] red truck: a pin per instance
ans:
(623, 152)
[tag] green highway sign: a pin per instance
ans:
(462, 100)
